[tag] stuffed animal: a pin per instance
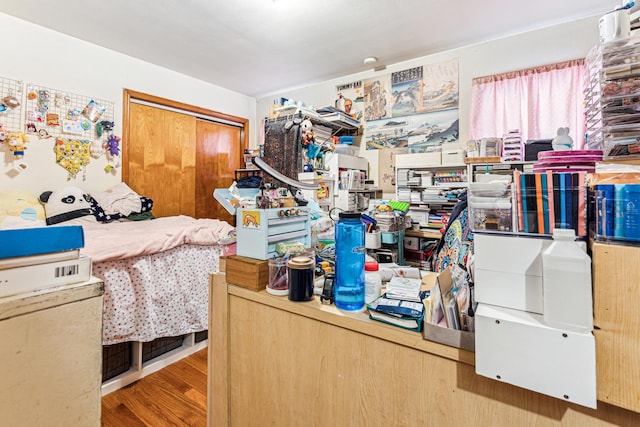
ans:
(306, 131)
(563, 141)
(66, 204)
(17, 141)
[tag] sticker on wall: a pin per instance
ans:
(73, 155)
(73, 127)
(251, 219)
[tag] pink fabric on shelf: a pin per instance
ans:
(537, 101)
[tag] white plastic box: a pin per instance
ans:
(453, 156)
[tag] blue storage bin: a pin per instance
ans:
(346, 140)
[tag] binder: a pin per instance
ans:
(539, 204)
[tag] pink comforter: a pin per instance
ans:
(119, 240)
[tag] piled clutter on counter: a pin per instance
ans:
(42, 257)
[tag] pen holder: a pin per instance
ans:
(373, 240)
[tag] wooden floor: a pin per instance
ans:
(174, 396)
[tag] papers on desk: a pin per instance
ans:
(404, 288)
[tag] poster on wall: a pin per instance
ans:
(419, 133)
(406, 92)
(440, 90)
(353, 94)
(416, 108)
(377, 98)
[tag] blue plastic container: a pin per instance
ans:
(631, 198)
(350, 256)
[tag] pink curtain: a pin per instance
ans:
(537, 101)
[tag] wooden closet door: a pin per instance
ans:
(162, 159)
(219, 152)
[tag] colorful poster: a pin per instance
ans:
(353, 94)
(406, 95)
(377, 98)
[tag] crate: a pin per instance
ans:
(247, 272)
(116, 360)
(160, 346)
(201, 336)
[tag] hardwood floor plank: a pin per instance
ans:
(174, 396)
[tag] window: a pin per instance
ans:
(537, 101)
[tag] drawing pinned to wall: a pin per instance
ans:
(353, 94)
(387, 169)
(377, 98)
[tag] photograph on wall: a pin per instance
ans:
(440, 90)
(406, 92)
(377, 98)
(353, 94)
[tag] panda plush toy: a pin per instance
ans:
(67, 204)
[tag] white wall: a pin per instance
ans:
(554, 44)
(47, 58)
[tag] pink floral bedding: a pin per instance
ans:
(156, 275)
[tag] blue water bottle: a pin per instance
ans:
(350, 255)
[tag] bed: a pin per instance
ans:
(155, 271)
(155, 274)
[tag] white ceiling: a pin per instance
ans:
(260, 47)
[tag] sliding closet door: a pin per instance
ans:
(219, 152)
(162, 159)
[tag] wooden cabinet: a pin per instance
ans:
(616, 292)
(178, 154)
(287, 364)
(50, 356)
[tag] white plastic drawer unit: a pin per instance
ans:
(259, 230)
(519, 348)
(508, 271)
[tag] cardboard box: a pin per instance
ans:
(442, 334)
(246, 272)
(454, 338)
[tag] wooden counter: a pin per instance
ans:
(275, 362)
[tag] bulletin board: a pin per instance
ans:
(12, 105)
(56, 113)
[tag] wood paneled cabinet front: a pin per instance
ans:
(616, 292)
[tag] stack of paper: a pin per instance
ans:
(404, 288)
